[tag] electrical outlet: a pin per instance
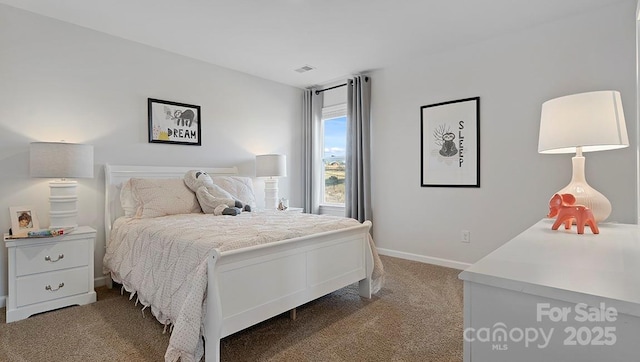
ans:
(465, 236)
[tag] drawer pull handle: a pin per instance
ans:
(48, 287)
(48, 258)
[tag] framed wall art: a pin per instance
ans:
(174, 123)
(23, 220)
(450, 143)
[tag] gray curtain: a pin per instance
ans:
(312, 117)
(358, 155)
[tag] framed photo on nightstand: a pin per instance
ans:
(23, 220)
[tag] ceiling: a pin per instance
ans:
(272, 38)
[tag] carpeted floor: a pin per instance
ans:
(417, 316)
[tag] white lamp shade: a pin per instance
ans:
(592, 120)
(60, 160)
(271, 166)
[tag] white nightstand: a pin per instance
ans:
(50, 273)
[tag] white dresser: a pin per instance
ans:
(552, 295)
(50, 273)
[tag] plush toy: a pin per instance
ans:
(212, 198)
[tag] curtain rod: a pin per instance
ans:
(335, 86)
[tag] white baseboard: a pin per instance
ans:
(101, 281)
(97, 282)
(424, 259)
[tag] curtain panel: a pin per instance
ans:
(358, 155)
(312, 117)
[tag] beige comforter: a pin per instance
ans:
(163, 261)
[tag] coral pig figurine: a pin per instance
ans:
(564, 207)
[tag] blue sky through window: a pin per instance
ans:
(335, 138)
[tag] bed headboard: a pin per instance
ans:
(117, 175)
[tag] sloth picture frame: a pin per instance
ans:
(174, 123)
(450, 143)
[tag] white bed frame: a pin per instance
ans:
(247, 286)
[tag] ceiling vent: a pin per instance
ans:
(304, 69)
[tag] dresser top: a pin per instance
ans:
(562, 264)
(79, 232)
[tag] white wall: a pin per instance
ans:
(638, 104)
(513, 75)
(60, 81)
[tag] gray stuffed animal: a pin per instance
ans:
(212, 198)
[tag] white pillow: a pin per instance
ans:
(127, 200)
(144, 198)
(240, 187)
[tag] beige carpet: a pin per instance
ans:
(417, 316)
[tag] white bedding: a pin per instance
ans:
(163, 261)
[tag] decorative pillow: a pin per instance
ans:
(127, 200)
(160, 197)
(239, 187)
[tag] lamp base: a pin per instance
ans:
(63, 200)
(585, 194)
(271, 193)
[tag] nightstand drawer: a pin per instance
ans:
(49, 286)
(52, 256)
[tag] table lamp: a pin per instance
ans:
(271, 167)
(61, 160)
(584, 122)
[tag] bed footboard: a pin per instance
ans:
(250, 285)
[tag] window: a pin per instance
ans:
(334, 145)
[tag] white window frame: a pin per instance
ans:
(334, 111)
